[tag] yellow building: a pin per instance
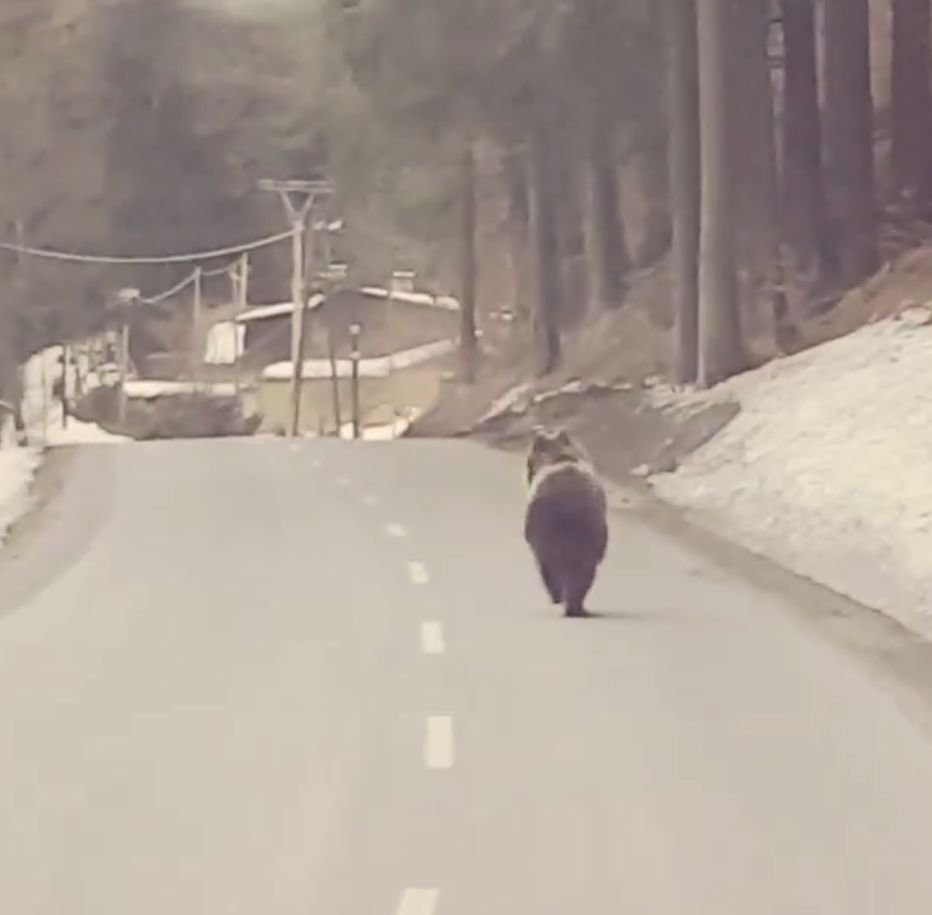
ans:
(394, 388)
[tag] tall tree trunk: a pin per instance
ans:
(469, 346)
(684, 160)
(653, 176)
(543, 217)
(571, 233)
(803, 197)
(848, 135)
(754, 145)
(606, 250)
(720, 345)
(515, 177)
(652, 156)
(912, 101)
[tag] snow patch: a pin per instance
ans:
(277, 310)
(516, 399)
(828, 467)
(374, 367)
(385, 432)
(17, 469)
(224, 343)
(42, 411)
(445, 302)
(150, 389)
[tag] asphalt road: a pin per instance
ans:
(251, 677)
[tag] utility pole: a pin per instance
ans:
(19, 282)
(309, 192)
(127, 298)
(65, 359)
(332, 275)
(196, 313)
(45, 395)
(334, 382)
(355, 330)
(243, 286)
(240, 276)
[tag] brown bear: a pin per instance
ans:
(565, 523)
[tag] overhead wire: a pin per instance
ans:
(72, 257)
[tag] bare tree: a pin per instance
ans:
(720, 344)
(684, 157)
(912, 101)
(469, 348)
(541, 185)
(755, 171)
(803, 197)
(848, 136)
(606, 250)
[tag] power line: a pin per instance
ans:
(154, 300)
(167, 259)
(226, 270)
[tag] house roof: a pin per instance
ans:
(260, 312)
(149, 389)
(445, 302)
(281, 309)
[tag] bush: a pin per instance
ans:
(181, 416)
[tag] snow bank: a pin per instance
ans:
(42, 412)
(151, 389)
(828, 467)
(371, 367)
(17, 469)
(445, 302)
(384, 432)
(78, 433)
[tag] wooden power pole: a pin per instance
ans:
(127, 298)
(332, 275)
(355, 330)
(242, 286)
(308, 192)
(197, 312)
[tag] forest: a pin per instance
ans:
(541, 158)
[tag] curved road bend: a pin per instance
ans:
(262, 678)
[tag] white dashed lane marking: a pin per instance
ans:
(418, 902)
(396, 530)
(438, 742)
(432, 641)
(343, 481)
(417, 572)
(370, 500)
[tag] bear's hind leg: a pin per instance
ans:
(551, 581)
(578, 586)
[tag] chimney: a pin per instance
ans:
(402, 281)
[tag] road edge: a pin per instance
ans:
(44, 488)
(894, 652)
(890, 648)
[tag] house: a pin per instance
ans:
(393, 390)
(389, 322)
(266, 332)
(404, 338)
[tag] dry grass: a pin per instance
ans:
(904, 281)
